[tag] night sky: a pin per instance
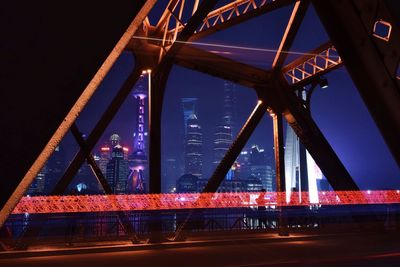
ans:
(338, 110)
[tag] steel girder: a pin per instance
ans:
(199, 60)
(371, 58)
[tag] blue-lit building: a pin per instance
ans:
(194, 147)
(189, 106)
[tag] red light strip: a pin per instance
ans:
(107, 203)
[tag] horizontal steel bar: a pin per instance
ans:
(106, 203)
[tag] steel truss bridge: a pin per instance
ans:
(100, 32)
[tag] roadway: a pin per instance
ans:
(357, 249)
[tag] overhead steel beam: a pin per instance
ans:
(210, 63)
(235, 13)
(371, 58)
(309, 67)
(79, 83)
(298, 13)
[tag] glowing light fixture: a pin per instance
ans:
(323, 82)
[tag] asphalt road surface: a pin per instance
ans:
(362, 249)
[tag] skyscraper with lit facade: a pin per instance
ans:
(260, 168)
(229, 103)
(138, 159)
(189, 106)
(222, 142)
(37, 185)
(301, 171)
(117, 171)
(193, 147)
(223, 136)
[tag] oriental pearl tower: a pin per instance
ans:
(138, 159)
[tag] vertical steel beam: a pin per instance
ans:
(280, 171)
(372, 62)
(278, 152)
(313, 140)
(159, 80)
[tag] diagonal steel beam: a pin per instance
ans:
(371, 58)
(32, 232)
(98, 130)
(222, 67)
(312, 138)
(298, 13)
(165, 15)
(236, 147)
(227, 161)
(122, 217)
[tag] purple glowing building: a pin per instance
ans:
(138, 159)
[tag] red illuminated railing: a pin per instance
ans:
(104, 203)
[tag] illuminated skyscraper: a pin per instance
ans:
(138, 159)
(104, 158)
(223, 136)
(189, 106)
(229, 103)
(222, 142)
(301, 172)
(170, 174)
(117, 171)
(37, 186)
(260, 168)
(193, 147)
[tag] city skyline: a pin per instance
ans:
(335, 109)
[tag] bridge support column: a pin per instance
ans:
(156, 95)
(280, 172)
